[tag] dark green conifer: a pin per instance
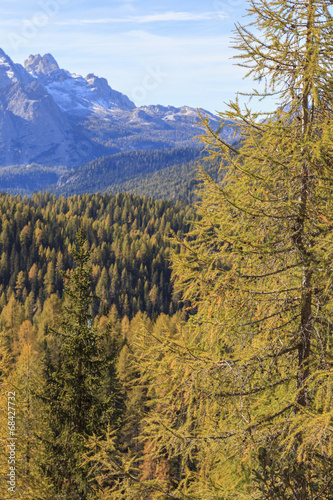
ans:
(77, 406)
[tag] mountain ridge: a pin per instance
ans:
(53, 118)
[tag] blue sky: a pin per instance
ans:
(156, 52)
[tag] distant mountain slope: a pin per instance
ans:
(33, 129)
(159, 174)
(104, 174)
(167, 175)
(27, 179)
(177, 182)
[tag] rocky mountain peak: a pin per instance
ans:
(41, 65)
(105, 95)
(95, 81)
(74, 94)
(12, 73)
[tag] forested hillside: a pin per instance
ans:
(177, 182)
(159, 174)
(27, 179)
(106, 174)
(112, 172)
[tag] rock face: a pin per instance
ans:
(38, 65)
(33, 129)
(54, 118)
(11, 73)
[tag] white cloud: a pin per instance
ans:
(151, 18)
(178, 16)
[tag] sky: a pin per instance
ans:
(169, 52)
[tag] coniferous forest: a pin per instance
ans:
(75, 273)
(152, 350)
(128, 238)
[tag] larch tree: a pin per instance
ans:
(251, 375)
(21, 416)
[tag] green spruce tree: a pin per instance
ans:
(74, 393)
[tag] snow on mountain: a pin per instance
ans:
(73, 93)
(168, 117)
(92, 98)
(81, 97)
(11, 73)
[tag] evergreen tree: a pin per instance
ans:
(77, 404)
